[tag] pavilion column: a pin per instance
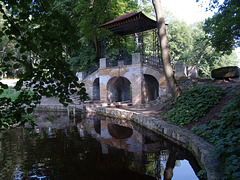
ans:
(103, 48)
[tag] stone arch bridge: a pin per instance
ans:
(137, 79)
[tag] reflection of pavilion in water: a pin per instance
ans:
(119, 134)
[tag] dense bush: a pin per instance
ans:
(193, 103)
(9, 93)
(12, 110)
(224, 133)
(13, 95)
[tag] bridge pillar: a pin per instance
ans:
(103, 80)
(137, 86)
(79, 76)
(136, 58)
(137, 80)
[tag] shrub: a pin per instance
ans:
(10, 93)
(13, 110)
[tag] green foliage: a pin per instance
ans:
(193, 103)
(223, 28)
(226, 60)
(224, 133)
(190, 44)
(83, 59)
(9, 93)
(43, 35)
(180, 38)
(94, 13)
(13, 111)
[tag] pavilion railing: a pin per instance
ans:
(120, 61)
(153, 61)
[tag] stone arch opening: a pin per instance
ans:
(151, 88)
(119, 89)
(96, 89)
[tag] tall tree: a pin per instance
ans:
(224, 27)
(93, 13)
(172, 83)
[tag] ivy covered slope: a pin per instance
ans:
(194, 102)
(223, 132)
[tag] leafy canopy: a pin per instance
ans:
(191, 45)
(224, 27)
(40, 33)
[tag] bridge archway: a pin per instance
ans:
(119, 89)
(151, 88)
(96, 89)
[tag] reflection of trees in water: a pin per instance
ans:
(9, 146)
(157, 163)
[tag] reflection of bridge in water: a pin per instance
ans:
(117, 136)
(123, 135)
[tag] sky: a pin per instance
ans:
(189, 11)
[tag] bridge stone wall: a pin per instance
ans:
(127, 77)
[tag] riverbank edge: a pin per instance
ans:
(186, 138)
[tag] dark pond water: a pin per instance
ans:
(91, 147)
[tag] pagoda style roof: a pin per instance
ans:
(130, 23)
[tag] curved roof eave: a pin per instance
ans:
(130, 23)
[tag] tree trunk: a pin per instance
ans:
(168, 172)
(97, 48)
(168, 70)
